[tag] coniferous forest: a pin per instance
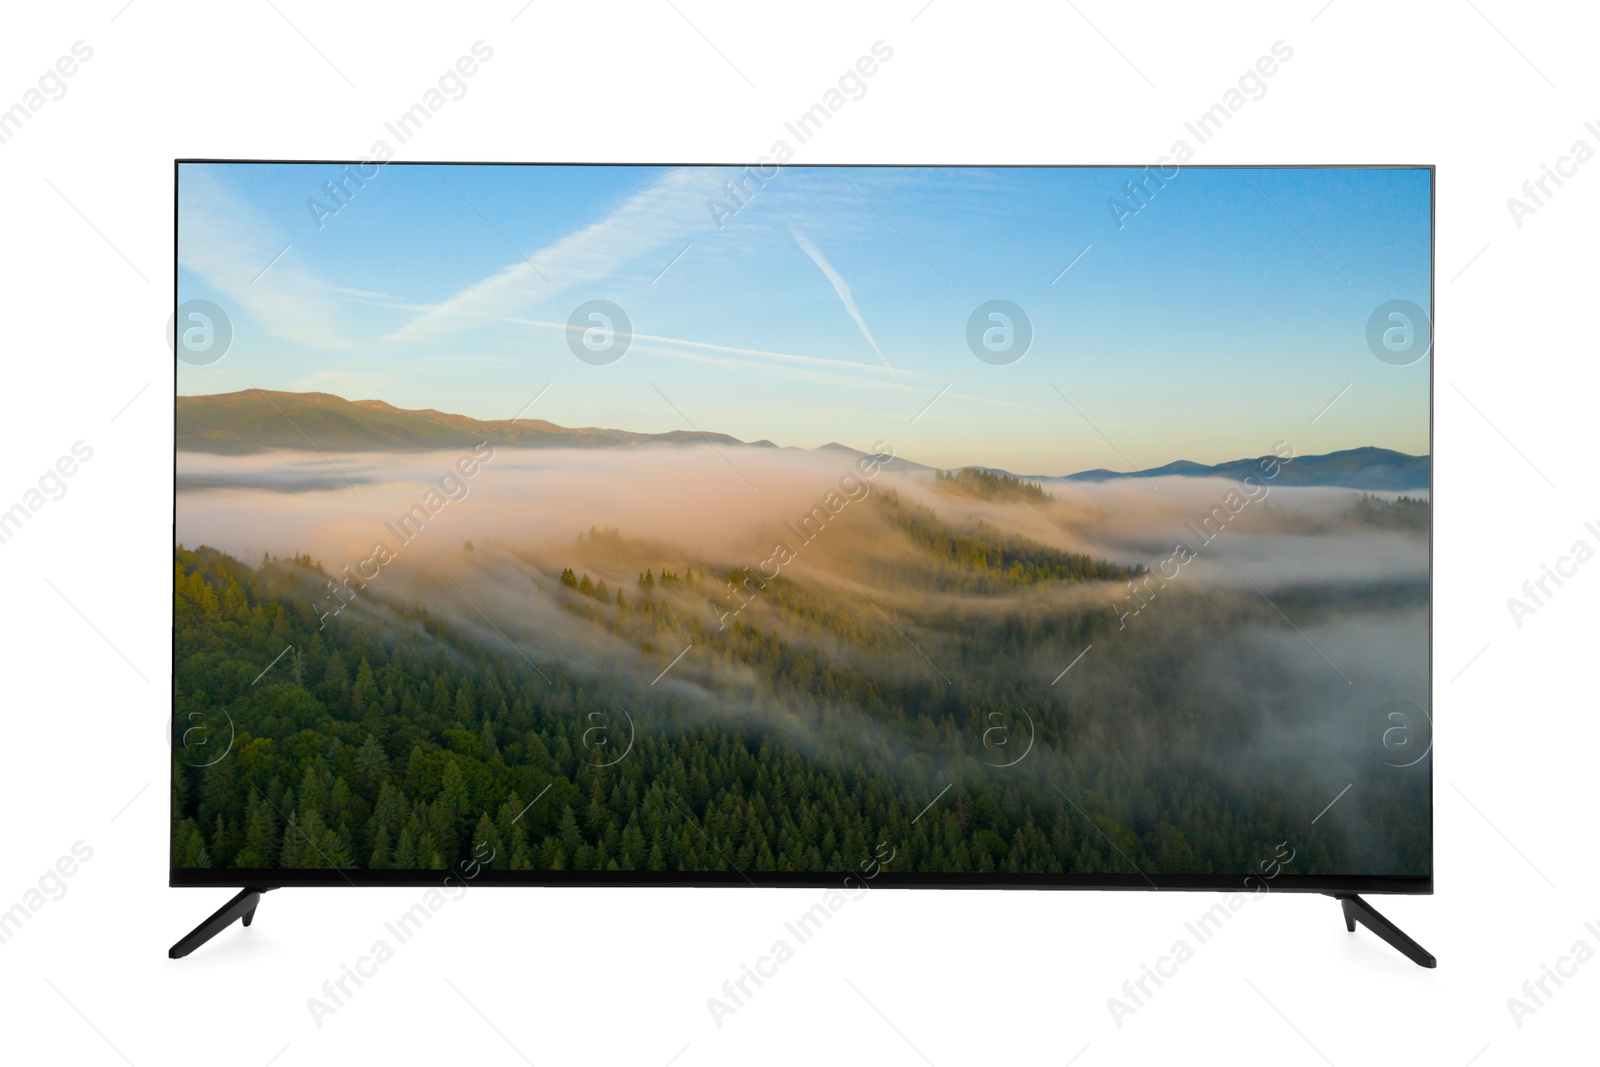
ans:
(805, 728)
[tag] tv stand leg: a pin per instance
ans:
(241, 907)
(1357, 910)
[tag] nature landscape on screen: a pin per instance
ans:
(943, 521)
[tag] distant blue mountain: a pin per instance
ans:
(1372, 469)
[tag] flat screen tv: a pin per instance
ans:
(780, 525)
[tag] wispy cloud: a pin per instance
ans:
(844, 372)
(662, 214)
(760, 353)
(233, 250)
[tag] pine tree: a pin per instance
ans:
(567, 832)
(486, 845)
(289, 855)
(443, 697)
(380, 850)
(405, 852)
(453, 786)
(261, 838)
(221, 843)
(189, 847)
(365, 692)
(372, 762)
(323, 848)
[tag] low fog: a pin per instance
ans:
(723, 508)
(1266, 642)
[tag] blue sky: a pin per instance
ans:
(1220, 318)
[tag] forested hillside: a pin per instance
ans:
(794, 737)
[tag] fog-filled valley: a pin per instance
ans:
(720, 656)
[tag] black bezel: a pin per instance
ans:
(884, 879)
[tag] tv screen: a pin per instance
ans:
(796, 525)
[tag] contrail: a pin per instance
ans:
(843, 289)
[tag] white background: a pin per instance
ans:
(1490, 91)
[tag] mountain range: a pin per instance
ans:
(1373, 469)
(256, 420)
